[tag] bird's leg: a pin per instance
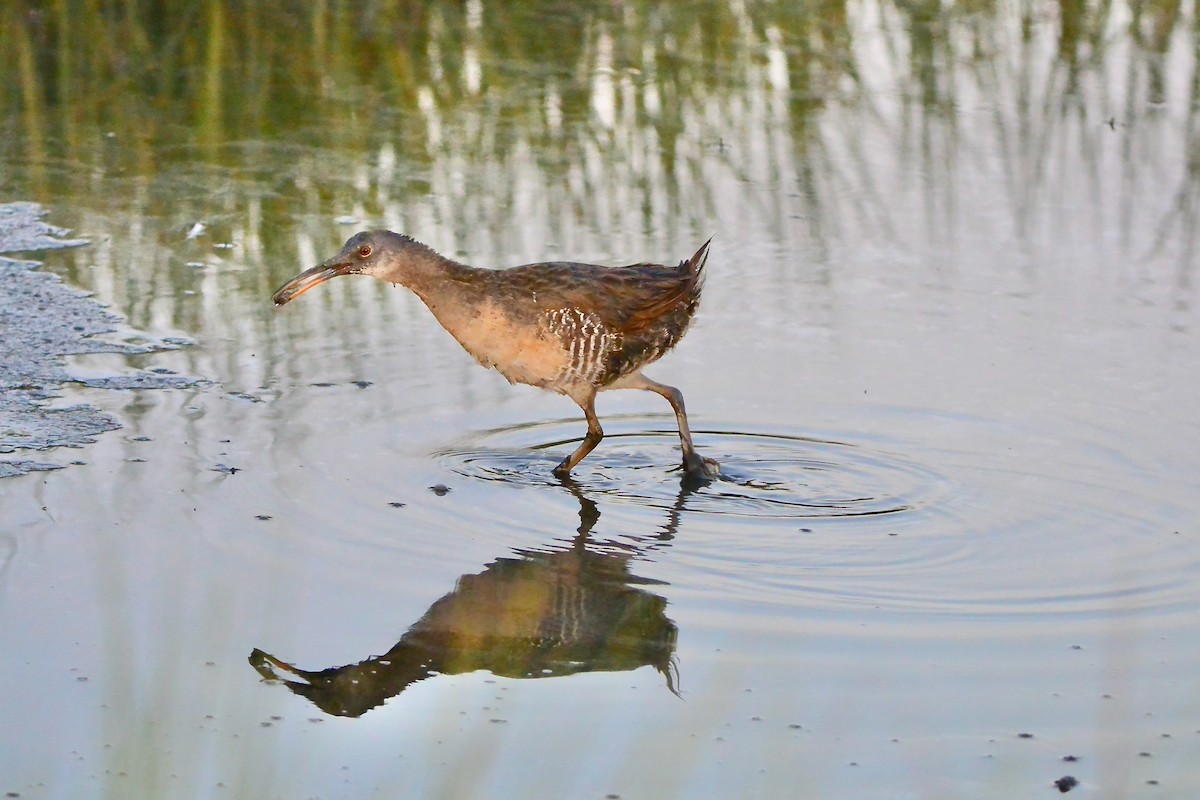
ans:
(693, 464)
(594, 434)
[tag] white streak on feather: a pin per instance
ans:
(587, 341)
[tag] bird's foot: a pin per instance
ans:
(563, 470)
(697, 467)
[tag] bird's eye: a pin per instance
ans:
(364, 251)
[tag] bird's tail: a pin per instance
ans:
(696, 263)
(694, 267)
(694, 285)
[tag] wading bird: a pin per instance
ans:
(575, 329)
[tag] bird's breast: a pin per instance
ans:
(528, 348)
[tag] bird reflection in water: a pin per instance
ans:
(540, 614)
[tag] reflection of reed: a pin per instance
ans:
(600, 126)
(545, 613)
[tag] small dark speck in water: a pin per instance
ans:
(795, 726)
(396, 505)
(362, 384)
(1166, 736)
(1070, 759)
(1076, 647)
(264, 724)
(322, 384)
(210, 663)
(141, 439)
(1144, 754)
(163, 371)
(440, 489)
(81, 678)
(12, 794)
(276, 717)
(262, 517)
(1025, 735)
(612, 796)
(1152, 782)
(498, 720)
(806, 530)
(1066, 783)
(137, 461)
(226, 469)
(315, 719)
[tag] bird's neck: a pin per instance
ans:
(434, 277)
(454, 292)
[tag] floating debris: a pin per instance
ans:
(1066, 783)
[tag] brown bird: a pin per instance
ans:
(575, 329)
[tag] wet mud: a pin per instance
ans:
(42, 321)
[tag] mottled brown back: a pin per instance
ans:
(615, 320)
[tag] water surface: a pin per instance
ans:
(946, 356)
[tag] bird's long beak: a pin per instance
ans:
(310, 278)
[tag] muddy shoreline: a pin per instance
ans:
(42, 321)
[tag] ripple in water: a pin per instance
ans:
(763, 475)
(818, 526)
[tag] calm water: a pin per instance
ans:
(947, 357)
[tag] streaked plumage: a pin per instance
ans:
(572, 328)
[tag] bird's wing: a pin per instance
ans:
(625, 299)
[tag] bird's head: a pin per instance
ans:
(382, 254)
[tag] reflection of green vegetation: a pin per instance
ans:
(226, 71)
(233, 71)
(817, 119)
